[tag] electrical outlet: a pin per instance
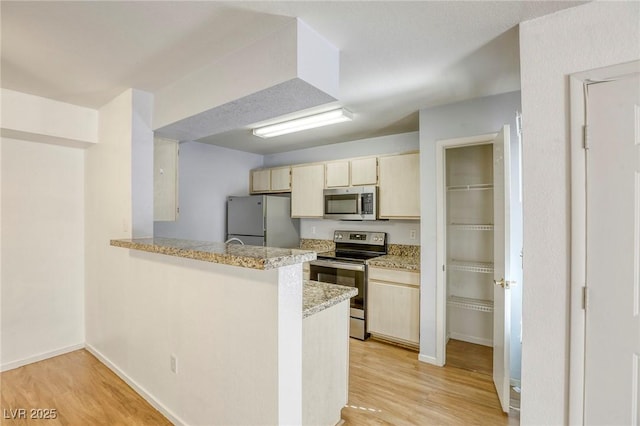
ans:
(174, 364)
(412, 234)
(313, 230)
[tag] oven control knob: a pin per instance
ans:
(339, 236)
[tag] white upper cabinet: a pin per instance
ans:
(277, 179)
(281, 179)
(307, 187)
(397, 177)
(364, 171)
(399, 187)
(261, 180)
(337, 173)
(165, 179)
(356, 172)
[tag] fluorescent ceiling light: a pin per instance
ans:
(303, 123)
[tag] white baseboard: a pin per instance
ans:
(471, 339)
(428, 359)
(40, 357)
(173, 418)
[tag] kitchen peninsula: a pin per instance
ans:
(253, 344)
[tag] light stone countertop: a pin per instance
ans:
(389, 261)
(254, 257)
(317, 296)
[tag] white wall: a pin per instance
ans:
(551, 48)
(142, 164)
(208, 174)
(43, 256)
(468, 118)
(399, 230)
(44, 120)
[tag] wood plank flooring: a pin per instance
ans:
(469, 356)
(389, 386)
(80, 388)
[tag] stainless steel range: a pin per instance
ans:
(347, 266)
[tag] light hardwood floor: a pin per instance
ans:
(79, 387)
(469, 356)
(388, 386)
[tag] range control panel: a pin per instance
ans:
(360, 237)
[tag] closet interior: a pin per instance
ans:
(469, 246)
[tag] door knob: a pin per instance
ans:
(504, 283)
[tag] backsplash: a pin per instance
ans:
(403, 250)
(317, 245)
(398, 231)
(328, 245)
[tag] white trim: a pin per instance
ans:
(578, 252)
(441, 249)
(173, 418)
(578, 229)
(471, 339)
(40, 357)
(515, 382)
(429, 360)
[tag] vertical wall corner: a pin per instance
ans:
(318, 60)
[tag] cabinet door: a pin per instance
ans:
(394, 311)
(281, 179)
(260, 180)
(364, 171)
(399, 188)
(337, 173)
(307, 186)
(165, 179)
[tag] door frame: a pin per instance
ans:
(578, 84)
(441, 232)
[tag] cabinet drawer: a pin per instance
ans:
(395, 276)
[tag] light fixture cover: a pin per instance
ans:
(304, 123)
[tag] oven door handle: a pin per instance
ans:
(337, 265)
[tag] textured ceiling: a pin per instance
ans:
(396, 57)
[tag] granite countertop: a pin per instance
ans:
(317, 296)
(254, 257)
(389, 261)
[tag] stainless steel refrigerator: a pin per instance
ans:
(262, 220)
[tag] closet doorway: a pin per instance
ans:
(474, 280)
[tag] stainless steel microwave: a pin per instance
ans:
(353, 203)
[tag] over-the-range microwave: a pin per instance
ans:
(353, 203)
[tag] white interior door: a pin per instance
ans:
(612, 338)
(502, 277)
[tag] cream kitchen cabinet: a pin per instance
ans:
(393, 305)
(277, 179)
(307, 186)
(281, 179)
(359, 171)
(260, 181)
(364, 171)
(165, 179)
(337, 174)
(399, 186)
